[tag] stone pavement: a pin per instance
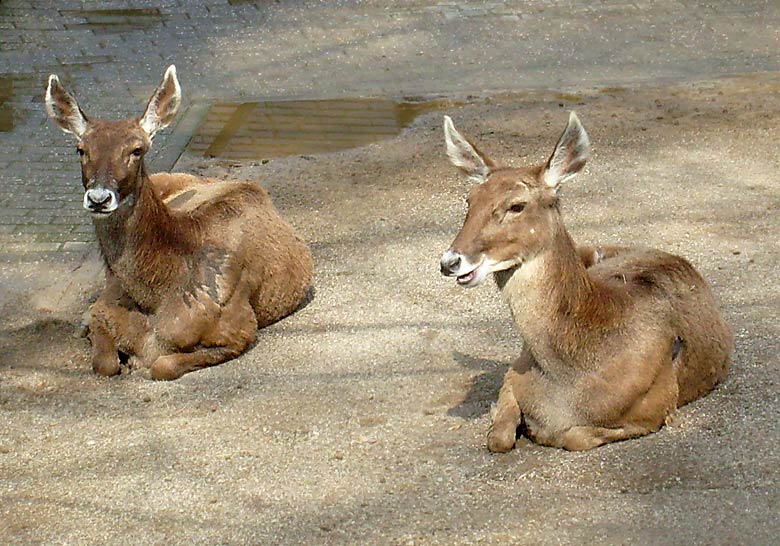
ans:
(112, 54)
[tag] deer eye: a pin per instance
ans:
(80, 151)
(138, 152)
(517, 208)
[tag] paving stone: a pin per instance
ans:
(112, 56)
(74, 246)
(38, 23)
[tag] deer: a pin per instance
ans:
(193, 266)
(615, 338)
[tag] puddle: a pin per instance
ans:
(265, 130)
(16, 91)
(568, 97)
(6, 112)
(109, 21)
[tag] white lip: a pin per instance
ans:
(467, 278)
(473, 278)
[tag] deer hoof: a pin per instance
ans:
(106, 367)
(165, 369)
(501, 440)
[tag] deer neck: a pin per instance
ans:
(142, 244)
(552, 298)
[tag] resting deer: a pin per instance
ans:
(193, 266)
(610, 351)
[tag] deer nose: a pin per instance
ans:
(98, 196)
(100, 200)
(450, 263)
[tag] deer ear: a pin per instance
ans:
(63, 108)
(570, 154)
(465, 155)
(163, 105)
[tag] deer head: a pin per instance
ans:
(112, 152)
(512, 213)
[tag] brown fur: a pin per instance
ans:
(193, 266)
(615, 339)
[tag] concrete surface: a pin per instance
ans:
(362, 419)
(113, 53)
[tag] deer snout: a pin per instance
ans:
(450, 264)
(98, 196)
(468, 274)
(100, 200)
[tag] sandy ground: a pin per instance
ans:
(362, 418)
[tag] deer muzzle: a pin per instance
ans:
(468, 274)
(100, 200)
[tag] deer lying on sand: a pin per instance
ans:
(614, 339)
(193, 266)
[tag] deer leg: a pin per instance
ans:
(113, 328)
(173, 366)
(105, 359)
(582, 438)
(591, 255)
(235, 329)
(503, 431)
(646, 414)
(610, 251)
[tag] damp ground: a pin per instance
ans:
(362, 418)
(271, 129)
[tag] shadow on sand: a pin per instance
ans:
(483, 387)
